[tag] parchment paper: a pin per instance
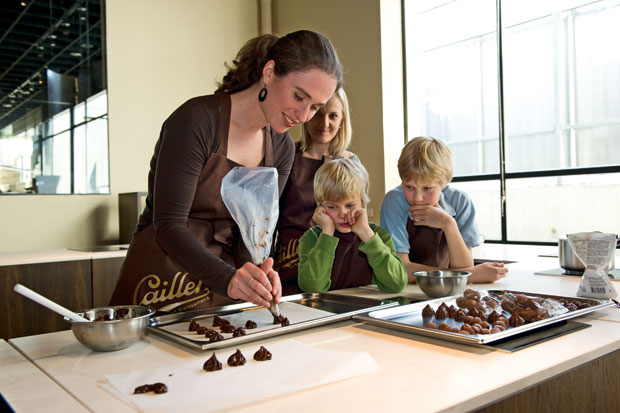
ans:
(295, 366)
(296, 313)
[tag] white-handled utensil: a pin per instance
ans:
(46, 302)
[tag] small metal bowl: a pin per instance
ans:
(442, 283)
(111, 328)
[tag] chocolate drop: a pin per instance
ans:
(262, 354)
(239, 332)
(237, 359)
(227, 328)
(212, 364)
(159, 388)
(250, 324)
(428, 312)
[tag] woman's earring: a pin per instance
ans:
(262, 95)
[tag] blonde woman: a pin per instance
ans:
(325, 137)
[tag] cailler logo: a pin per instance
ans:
(160, 292)
(289, 256)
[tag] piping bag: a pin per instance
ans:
(251, 196)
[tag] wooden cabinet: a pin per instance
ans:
(76, 285)
(105, 272)
(68, 283)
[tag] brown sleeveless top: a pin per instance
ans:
(351, 267)
(297, 206)
(150, 277)
(427, 246)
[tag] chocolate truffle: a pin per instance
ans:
(238, 332)
(262, 354)
(428, 312)
(237, 359)
(441, 313)
(227, 328)
(212, 364)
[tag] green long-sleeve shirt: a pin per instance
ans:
(317, 254)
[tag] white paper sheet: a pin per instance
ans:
(296, 313)
(295, 366)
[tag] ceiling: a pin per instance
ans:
(60, 35)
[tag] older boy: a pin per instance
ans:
(344, 249)
(432, 224)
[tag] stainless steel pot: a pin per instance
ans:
(570, 262)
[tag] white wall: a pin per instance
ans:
(160, 53)
(369, 50)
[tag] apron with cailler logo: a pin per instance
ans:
(351, 267)
(150, 277)
(428, 246)
(297, 206)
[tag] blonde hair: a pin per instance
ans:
(426, 158)
(340, 180)
(342, 140)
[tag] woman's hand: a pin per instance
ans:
(321, 218)
(358, 219)
(258, 285)
(487, 272)
(430, 216)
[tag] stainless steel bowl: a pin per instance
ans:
(442, 283)
(111, 328)
(570, 262)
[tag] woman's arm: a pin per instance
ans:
(316, 258)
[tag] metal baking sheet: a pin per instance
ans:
(408, 318)
(304, 311)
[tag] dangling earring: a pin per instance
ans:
(262, 95)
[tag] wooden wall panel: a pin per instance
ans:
(67, 283)
(592, 387)
(106, 272)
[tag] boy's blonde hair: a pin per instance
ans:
(425, 158)
(340, 180)
(341, 141)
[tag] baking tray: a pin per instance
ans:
(318, 309)
(408, 318)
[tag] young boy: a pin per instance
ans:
(344, 250)
(432, 224)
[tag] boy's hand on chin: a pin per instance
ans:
(358, 219)
(430, 216)
(326, 223)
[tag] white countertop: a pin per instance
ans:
(38, 257)
(19, 377)
(430, 374)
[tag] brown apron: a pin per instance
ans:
(150, 277)
(351, 267)
(428, 246)
(297, 206)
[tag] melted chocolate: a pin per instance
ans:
(212, 364)
(236, 359)
(262, 354)
(227, 328)
(104, 317)
(193, 325)
(121, 313)
(215, 336)
(280, 319)
(239, 332)
(285, 322)
(250, 324)
(157, 388)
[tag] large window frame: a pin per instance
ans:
(503, 176)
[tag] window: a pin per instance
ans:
(53, 99)
(535, 144)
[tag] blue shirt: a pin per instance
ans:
(394, 216)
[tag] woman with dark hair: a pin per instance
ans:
(324, 137)
(187, 251)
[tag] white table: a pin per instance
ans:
(416, 373)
